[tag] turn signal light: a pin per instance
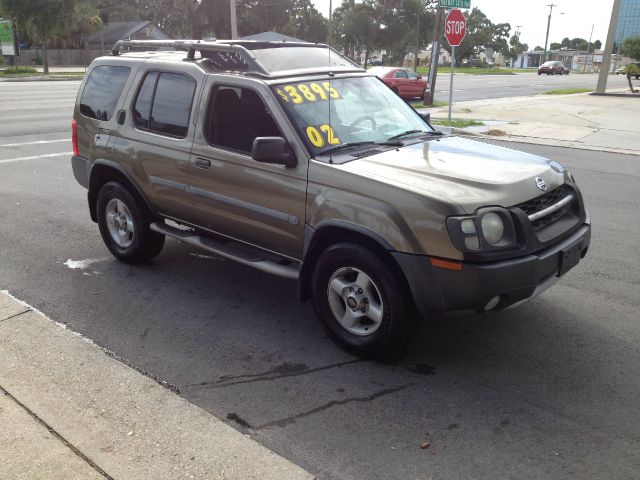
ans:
(446, 264)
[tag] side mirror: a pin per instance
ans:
(426, 117)
(273, 150)
(419, 77)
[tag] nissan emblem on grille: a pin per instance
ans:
(541, 184)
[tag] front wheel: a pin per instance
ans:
(360, 302)
(124, 221)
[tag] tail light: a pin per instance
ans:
(74, 137)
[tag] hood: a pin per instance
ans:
(470, 173)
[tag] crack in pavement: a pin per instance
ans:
(333, 403)
(16, 315)
(57, 435)
(282, 371)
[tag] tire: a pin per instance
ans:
(552, 72)
(360, 303)
(124, 220)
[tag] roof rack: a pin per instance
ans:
(234, 55)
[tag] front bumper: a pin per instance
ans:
(502, 283)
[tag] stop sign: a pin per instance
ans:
(455, 27)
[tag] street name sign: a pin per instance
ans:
(455, 27)
(455, 3)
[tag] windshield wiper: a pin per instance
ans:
(411, 132)
(347, 145)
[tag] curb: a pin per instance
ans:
(62, 393)
(551, 142)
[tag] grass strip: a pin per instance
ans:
(457, 123)
(567, 91)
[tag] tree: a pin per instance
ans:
(597, 45)
(354, 31)
(517, 48)
(398, 21)
(84, 21)
(555, 46)
(631, 48)
(481, 34)
(175, 17)
(42, 18)
(306, 22)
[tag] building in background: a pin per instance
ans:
(628, 21)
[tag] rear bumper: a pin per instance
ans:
(503, 283)
(81, 170)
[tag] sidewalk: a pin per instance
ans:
(603, 123)
(68, 410)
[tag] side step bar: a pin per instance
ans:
(235, 251)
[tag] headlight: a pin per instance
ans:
(489, 229)
(492, 228)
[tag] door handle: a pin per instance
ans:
(203, 163)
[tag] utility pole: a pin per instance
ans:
(415, 63)
(435, 53)
(546, 39)
(586, 59)
(234, 21)
(608, 48)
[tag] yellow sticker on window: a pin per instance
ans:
(322, 135)
(308, 92)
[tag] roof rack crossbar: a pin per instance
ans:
(191, 46)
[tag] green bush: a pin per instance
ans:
(18, 70)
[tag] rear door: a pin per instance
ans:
(154, 142)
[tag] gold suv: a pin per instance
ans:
(289, 158)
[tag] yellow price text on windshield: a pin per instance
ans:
(322, 135)
(308, 92)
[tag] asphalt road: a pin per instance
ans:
(478, 87)
(550, 390)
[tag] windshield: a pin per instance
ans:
(331, 113)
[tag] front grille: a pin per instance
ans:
(535, 208)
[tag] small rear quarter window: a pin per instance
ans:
(102, 91)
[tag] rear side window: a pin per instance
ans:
(401, 74)
(163, 104)
(102, 91)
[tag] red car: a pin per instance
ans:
(406, 83)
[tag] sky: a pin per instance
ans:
(570, 18)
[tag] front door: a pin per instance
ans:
(234, 195)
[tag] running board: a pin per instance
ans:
(235, 251)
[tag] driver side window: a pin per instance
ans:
(235, 117)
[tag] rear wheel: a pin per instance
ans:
(124, 221)
(360, 303)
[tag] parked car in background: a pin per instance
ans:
(623, 70)
(406, 83)
(553, 67)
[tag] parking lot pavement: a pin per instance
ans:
(77, 412)
(584, 121)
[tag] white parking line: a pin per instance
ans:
(39, 142)
(50, 155)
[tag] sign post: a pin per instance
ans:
(455, 28)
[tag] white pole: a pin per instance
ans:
(234, 21)
(453, 62)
